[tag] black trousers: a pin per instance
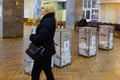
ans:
(43, 64)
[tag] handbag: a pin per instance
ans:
(35, 52)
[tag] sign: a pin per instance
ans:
(93, 40)
(66, 45)
(26, 13)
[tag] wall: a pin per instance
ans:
(12, 18)
(78, 10)
(109, 12)
(60, 11)
(32, 9)
(109, 1)
(28, 8)
(70, 8)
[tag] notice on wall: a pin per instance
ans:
(0, 10)
(26, 13)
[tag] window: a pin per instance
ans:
(89, 4)
(94, 4)
(62, 5)
(87, 14)
(91, 10)
(85, 4)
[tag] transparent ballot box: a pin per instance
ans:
(106, 37)
(63, 47)
(87, 41)
(28, 65)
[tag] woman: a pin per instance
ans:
(44, 36)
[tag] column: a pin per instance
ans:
(74, 12)
(70, 7)
(37, 8)
(11, 24)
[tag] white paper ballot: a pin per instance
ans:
(66, 45)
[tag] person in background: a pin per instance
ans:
(82, 22)
(45, 36)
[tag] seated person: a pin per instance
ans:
(82, 22)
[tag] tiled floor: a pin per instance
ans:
(104, 66)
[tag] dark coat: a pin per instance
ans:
(45, 34)
(82, 23)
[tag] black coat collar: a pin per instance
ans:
(48, 15)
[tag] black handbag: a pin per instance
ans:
(35, 52)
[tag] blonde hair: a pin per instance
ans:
(49, 6)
